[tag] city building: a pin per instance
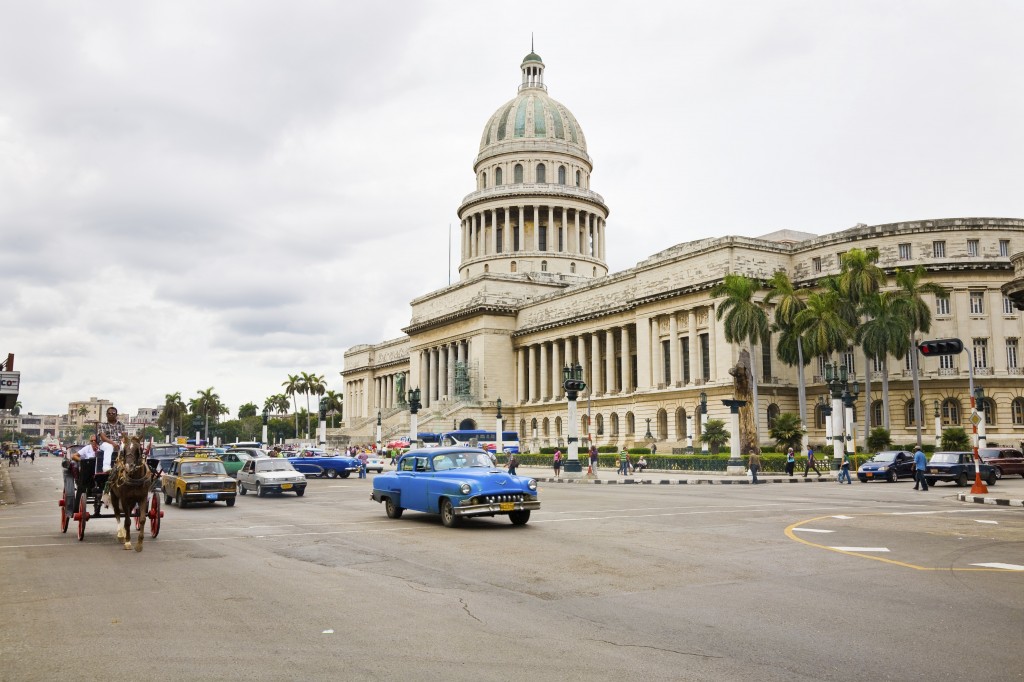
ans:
(534, 294)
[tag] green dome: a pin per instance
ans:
(532, 57)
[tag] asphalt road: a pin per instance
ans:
(658, 582)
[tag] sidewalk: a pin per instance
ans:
(667, 477)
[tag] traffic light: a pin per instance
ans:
(938, 347)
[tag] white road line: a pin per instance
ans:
(861, 549)
(995, 523)
(814, 530)
(1008, 567)
(844, 518)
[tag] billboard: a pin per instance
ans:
(10, 382)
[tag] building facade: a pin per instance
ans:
(534, 294)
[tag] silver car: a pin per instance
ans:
(270, 475)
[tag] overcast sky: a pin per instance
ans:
(198, 194)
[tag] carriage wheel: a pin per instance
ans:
(65, 518)
(154, 515)
(81, 518)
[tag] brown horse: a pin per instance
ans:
(130, 482)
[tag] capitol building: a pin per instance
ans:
(534, 293)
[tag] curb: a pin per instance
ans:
(981, 499)
(6, 488)
(740, 480)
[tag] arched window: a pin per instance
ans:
(1017, 410)
(988, 406)
(487, 268)
(572, 268)
(542, 173)
(558, 427)
(561, 175)
(543, 266)
(517, 174)
(908, 410)
(819, 416)
(773, 414)
(876, 413)
(533, 428)
(586, 425)
(545, 427)
(578, 176)
(950, 412)
(615, 424)
(630, 424)
(599, 424)
(594, 272)
(497, 176)
(522, 428)
(512, 266)
(681, 423)
(662, 427)
(483, 180)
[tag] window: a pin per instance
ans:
(1017, 411)
(572, 268)
(950, 412)
(483, 180)
(839, 259)
(1008, 308)
(904, 251)
(685, 347)
(542, 173)
(666, 362)
(939, 249)
(819, 417)
(876, 364)
(766, 359)
(773, 414)
(512, 266)
(847, 360)
(822, 362)
(876, 413)
(561, 175)
(578, 176)
(977, 303)
(980, 353)
(705, 359)
(816, 264)
(517, 174)
(988, 407)
(499, 238)
(497, 176)
(1004, 248)
(543, 266)
(945, 362)
(942, 304)
(542, 238)
(908, 409)
(972, 247)
(1011, 353)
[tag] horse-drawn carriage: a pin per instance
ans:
(131, 482)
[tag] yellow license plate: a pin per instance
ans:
(869, 475)
(285, 486)
(507, 506)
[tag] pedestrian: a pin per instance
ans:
(754, 464)
(654, 448)
(513, 462)
(623, 463)
(558, 462)
(593, 458)
(790, 462)
(844, 470)
(810, 462)
(362, 463)
(920, 464)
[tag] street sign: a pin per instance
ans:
(975, 417)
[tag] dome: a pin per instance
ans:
(533, 115)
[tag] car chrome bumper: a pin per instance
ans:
(491, 508)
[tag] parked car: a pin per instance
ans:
(270, 475)
(889, 465)
(455, 482)
(234, 460)
(198, 479)
(1006, 461)
(319, 463)
(957, 467)
(375, 463)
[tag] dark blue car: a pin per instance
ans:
(457, 483)
(319, 464)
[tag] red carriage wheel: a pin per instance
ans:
(154, 514)
(81, 517)
(65, 518)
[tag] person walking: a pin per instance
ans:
(810, 462)
(920, 464)
(754, 464)
(844, 470)
(790, 462)
(513, 462)
(362, 457)
(593, 458)
(558, 462)
(623, 463)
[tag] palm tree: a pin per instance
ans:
(787, 430)
(173, 411)
(310, 383)
(883, 333)
(859, 279)
(790, 346)
(823, 324)
(745, 320)
(292, 387)
(206, 404)
(335, 403)
(911, 305)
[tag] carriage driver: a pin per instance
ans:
(109, 435)
(86, 458)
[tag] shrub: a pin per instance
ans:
(955, 438)
(787, 431)
(879, 439)
(714, 434)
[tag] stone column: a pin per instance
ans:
(673, 350)
(625, 366)
(451, 370)
(521, 392)
(694, 346)
(442, 373)
(643, 353)
(597, 388)
(534, 373)
(581, 355)
(521, 228)
(506, 234)
(556, 369)
(493, 237)
(574, 234)
(712, 343)
(611, 385)
(545, 390)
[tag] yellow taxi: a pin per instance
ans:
(198, 478)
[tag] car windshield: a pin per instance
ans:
(273, 464)
(458, 460)
(945, 458)
(202, 468)
(884, 457)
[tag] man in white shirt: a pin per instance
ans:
(86, 458)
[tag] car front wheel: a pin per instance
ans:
(241, 489)
(448, 517)
(260, 492)
(932, 481)
(892, 477)
(998, 473)
(181, 501)
(520, 517)
(991, 480)
(393, 510)
(231, 501)
(299, 492)
(961, 479)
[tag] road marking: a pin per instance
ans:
(844, 518)
(996, 523)
(1006, 567)
(814, 530)
(860, 549)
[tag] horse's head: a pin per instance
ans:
(133, 451)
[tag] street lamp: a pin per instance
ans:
(378, 431)
(979, 401)
(499, 444)
(266, 419)
(849, 400)
(703, 414)
(648, 436)
(572, 382)
(835, 377)
(414, 407)
(938, 426)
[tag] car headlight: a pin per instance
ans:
(192, 486)
(465, 489)
(532, 485)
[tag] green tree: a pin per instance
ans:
(744, 320)
(955, 438)
(247, 410)
(312, 384)
(911, 305)
(173, 413)
(788, 303)
(860, 279)
(335, 405)
(823, 326)
(879, 439)
(207, 404)
(714, 434)
(292, 387)
(787, 431)
(884, 332)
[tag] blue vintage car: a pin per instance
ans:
(318, 463)
(455, 482)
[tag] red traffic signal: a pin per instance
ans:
(941, 347)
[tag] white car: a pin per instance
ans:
(375, 463)
(270, 475)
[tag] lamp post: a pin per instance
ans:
(938, 426)
(499, 446)
(266, 419)
(703, 419)
(322, 431)
(648, 436)
(835, 377)
(378, 431)
(849, 400)
(735, 465)
(689, 431)
(414, 407)
(826, 411)
(979, 401)
(572, 382)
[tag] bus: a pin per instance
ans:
(488, 440)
